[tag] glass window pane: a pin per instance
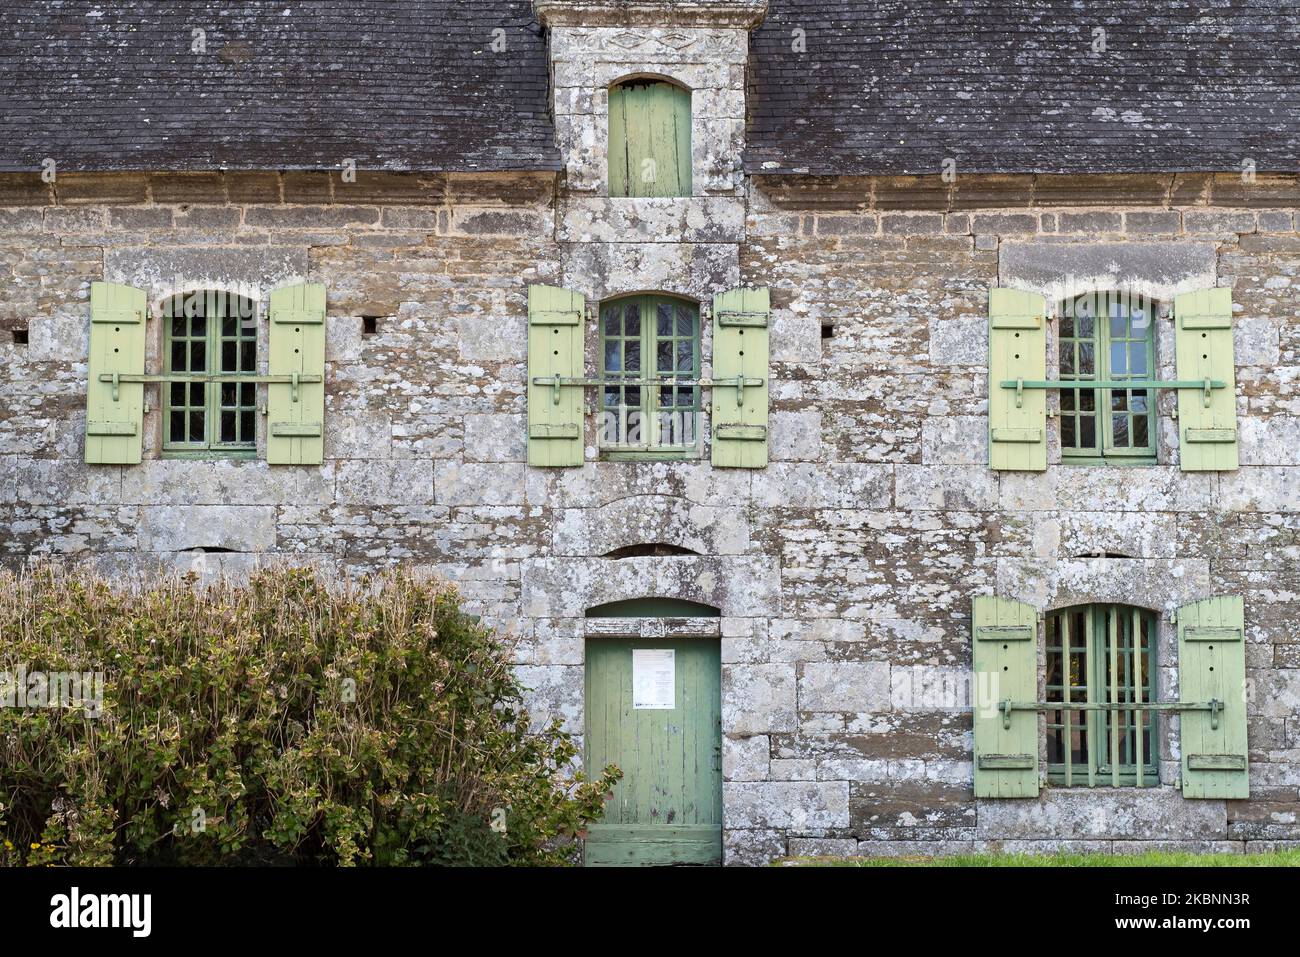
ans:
(176, 433)
(664, 319)
(228, 394)
(632, 320)
(178, 393)
(178, 357)
(1119, 426)
(1118, 323)
(247, 394)
(685, 321)
(198, 356)
(1067, 400)
(1119, 399)
(229, 357)
(665, 357)
(1068, 434)
(246, 427)
(1087, 399)
(1085, 327)
(198, 327)
(1067, 358)
(228, 427)
(685, 355)
(197, 397)
(1137, 358)
(1118, 361)
(1067, 327)
(613, 361)
(1138, 401)
(196, 427)
(1141, 438)
(1088, 433)
(611, 321)
(632, 356)
(228, 326)
(1087, 359)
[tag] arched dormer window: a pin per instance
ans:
(209, 333)
(1108, 337)
(649, 139)
(1101, 654)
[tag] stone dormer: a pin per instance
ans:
(699, 47)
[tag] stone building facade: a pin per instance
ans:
(843, 571)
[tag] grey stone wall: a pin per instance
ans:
(844, 569)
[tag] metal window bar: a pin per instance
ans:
(1114, 665)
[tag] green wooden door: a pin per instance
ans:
(668, 807)
(649, 139)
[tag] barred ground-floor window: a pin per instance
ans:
(1101, 655)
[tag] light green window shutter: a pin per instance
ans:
(115, 410)
(1207, 426)
(296, 413)
(649, 139)
(1017, 350)
(1212, 667)
(1005, 661)
(555, 349)
(740, 352)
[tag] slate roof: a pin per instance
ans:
(295, 84)
(896, 86)
(884, 86)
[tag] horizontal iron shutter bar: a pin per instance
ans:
(295, 379)
(1021, 384)
(1214, 706)
(739, 383)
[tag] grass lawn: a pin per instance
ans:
(1146, 859)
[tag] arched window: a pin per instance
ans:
(209, 333)
(1101, 654)
(1107, 337)
(644, 338)
(649, 139)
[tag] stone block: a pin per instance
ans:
(758, 699)
(235, 528)
(794, 805)
(859, 686)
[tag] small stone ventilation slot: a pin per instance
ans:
(1102, 555)
(20, 337)
(649, 550)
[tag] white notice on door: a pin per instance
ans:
(654, 686)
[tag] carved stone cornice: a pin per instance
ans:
(744, 14)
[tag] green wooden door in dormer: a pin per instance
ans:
(649, 139)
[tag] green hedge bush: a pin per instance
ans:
(286, 721)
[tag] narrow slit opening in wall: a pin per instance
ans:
(20, 337)
(370, 325)
(649, 550)
(1102, 555)
(828, 330)
(215, 550)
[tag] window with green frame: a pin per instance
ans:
(648, 340)
(209, 335)
(1101, 654)
(1107, 337)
